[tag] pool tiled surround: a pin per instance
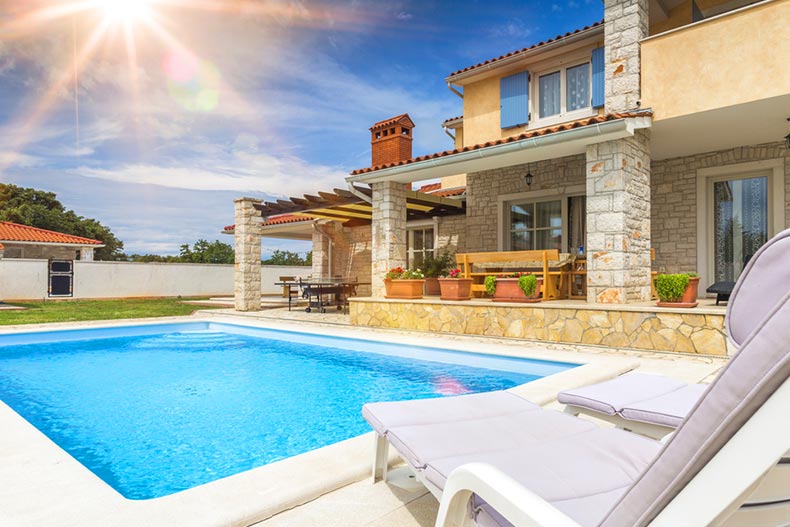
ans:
(699, 331)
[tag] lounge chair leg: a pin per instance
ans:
(572, 410)
(380, 460)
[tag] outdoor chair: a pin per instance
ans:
(564, 471)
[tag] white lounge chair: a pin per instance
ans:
(565, 473)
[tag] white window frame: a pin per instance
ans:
(773, 169)
(564, 115)
(415, 225)
(505, 201)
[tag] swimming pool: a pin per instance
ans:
(156, 409)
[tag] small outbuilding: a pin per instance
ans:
(23, 241)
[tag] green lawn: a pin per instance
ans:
(76, 310)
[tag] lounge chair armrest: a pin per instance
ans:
(510, 499)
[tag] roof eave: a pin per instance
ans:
(464, 77)
(53, 244)
(549, 146)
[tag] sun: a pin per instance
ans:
(124, 11)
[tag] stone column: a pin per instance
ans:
(389, 232)
(247, 274)
(626, 25)
(618, 220)
(86, 254)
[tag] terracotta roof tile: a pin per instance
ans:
(522, 50)
(526, 135)
(391, 121)
(276, 220)
(449, 192)
(1, 247)
(452, 119)
(430, 187)
(14, 232)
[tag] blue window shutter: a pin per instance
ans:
(597, 78)
(514, 100)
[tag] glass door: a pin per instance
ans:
(740, 224)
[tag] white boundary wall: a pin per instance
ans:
(23, 279)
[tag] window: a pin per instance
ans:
(577, 91)
(420, 243)
(563, 91)
(536, 226)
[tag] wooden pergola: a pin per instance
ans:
(351, 209)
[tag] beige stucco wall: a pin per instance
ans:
(674, 200)
(734, 59)
(484, 188)
(481, 98)
(25, 279)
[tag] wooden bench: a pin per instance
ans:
(551, 278)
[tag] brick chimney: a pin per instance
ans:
(390, 140)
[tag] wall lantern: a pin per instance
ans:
(528, 178)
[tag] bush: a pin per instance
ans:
(436, 266)
(491, 285)
(670, 287)
(528, 284)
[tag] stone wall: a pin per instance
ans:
(483, 189)
(452, 233)
(618, 220)
(40, 252)
(626, 24)
(674, 200)
(683, 331)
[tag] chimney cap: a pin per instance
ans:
(402, 119)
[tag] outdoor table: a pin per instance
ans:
(323, 293)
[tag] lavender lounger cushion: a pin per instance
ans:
(667, 410)
(611, 397)
(420, 444)
(582, 475)
(386, 415)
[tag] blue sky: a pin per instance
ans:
(233, 97)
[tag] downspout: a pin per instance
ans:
(455, 90)
(447, 131)
(357, 193)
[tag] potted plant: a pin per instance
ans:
(514, 287)
(404, 283)
(433, 267)
(453, 287)
(677, 290)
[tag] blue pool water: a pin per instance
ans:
(152, 410)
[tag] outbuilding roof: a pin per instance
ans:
(15, 232)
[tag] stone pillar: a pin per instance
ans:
(389, 232)
(247, 274)
(626, 25)
(86, 254)
(618, 220)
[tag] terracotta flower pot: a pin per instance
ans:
(432, 287)
(507, 290)
(409, 289)
(456, 288)
(689, 298)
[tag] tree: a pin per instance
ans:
(36, 208)
(203, 251)
(287, 258)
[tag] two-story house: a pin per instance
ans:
(662, 127)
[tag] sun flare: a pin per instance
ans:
(124, 11)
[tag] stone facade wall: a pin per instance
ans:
(40, 252)
(626, 24)
(351, 252)
(690, 332)
(452, 233)
(674, 200)
(389, 232)
(247, 270)
(483, 189)
(618, 220)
